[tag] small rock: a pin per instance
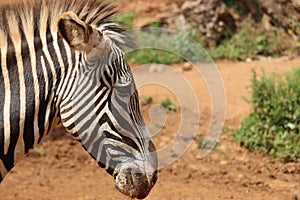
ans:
(263, 59)
(187, 67)
(156, 68)
(248, 60)
(295, 197)
(289, 168)
(189, 175)
(224, 172)
(271, 176)
(223, 162)
(241, 176)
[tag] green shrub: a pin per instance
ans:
(230, 3)
(167, 48)
(39, 151)
(154, 24)
(168, 104)
(273, 126)
(251, 41)
(145, 56)
(207, 143)
(127, 18)
(147, 100)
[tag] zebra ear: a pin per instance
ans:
(79, 35)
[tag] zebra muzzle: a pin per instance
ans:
(134, 183)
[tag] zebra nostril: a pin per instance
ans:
(115, 175)
(154, 177)
(129, 170)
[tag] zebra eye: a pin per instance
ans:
(125, 88)
(126, 80)
(123, 83)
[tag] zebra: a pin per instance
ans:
(63, 62)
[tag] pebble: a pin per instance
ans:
(248, 60)
(155, 68)
(240, 176)
(189, 175)
(187, 67)
(223, 162)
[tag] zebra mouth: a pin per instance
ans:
(135, 184)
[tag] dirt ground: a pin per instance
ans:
(63, 170)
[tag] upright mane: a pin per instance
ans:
(34, 14)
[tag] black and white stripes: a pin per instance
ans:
(63, 61)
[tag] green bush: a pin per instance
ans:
(251, 41)
(127, 18)
(167, 48)
(145, 56)
(208, 143)
(168, 104)
(273, 125)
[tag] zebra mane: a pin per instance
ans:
(33, 14)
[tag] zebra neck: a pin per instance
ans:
(35, 73)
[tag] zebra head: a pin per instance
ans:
(102, 109)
